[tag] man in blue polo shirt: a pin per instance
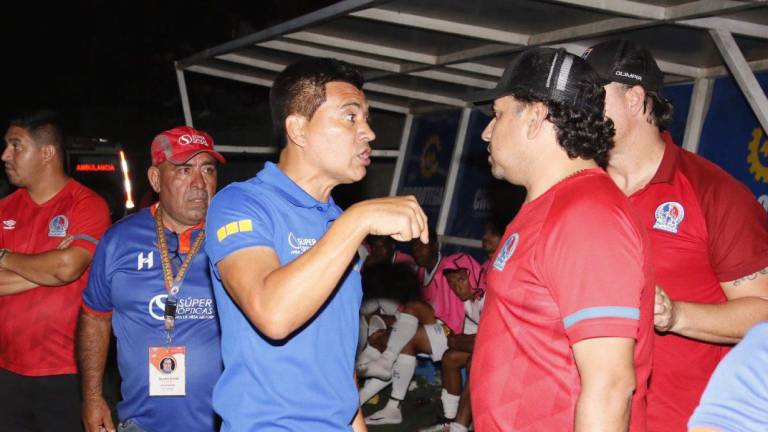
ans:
(150, 282)
(284, 260)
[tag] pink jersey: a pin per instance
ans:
(448, 306)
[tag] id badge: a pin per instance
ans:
(167, 371)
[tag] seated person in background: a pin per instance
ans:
(456, 406)
(491, 238)
(431, 337)
(736, 397)
(381, 249)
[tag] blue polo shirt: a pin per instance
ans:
(736, 398)
(126, 281)
(305, 382)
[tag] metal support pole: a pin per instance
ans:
(741, 71)
(453, 171)
(700, 98)
(405, 137)
(184, 97)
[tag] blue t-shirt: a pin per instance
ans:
(127, 280)
(736, 398)
(305, 382)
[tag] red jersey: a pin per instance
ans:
(574, 264)
(37, 327)
(706, 228)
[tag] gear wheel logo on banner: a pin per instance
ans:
(759, 144)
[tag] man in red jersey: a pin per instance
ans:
(564, 341)
(709, 235)
(51, 225)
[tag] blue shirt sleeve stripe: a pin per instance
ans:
(86, 237)
(602, 312)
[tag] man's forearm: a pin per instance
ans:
(292, 294)
(603, 410)
(719, 323)
(11, 283)
(51, 268)
(92, 345)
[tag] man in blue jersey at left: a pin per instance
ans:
(150, 283)
(284, 260)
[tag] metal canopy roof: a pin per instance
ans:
(421, 55)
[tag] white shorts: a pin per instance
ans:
(438, 339)
(380, 305)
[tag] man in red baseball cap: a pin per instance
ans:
(180, 144)
(151, 285)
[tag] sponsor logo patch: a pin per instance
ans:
(299, 245)
(9, 224)
(507, 249)
(187, 308)
(669, 216)
(57, 227)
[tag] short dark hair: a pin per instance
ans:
(44, 126)
(584, 131)
(300, 89)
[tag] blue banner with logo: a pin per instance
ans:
(733, 139)
(426, 164)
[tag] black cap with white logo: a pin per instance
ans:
(625, 62)
(547, 74)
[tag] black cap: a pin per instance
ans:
(547, 74)
(625, 62)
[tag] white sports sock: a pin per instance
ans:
(402, 372)
(393, 403)
(402, 332)
(371, 387)
(368, 354)
(455, 427)
(450, 404)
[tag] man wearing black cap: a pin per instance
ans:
(564, 341)
(709, 235)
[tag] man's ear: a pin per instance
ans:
(296, 129)
(537, 114)
(153, 174)
(49, 152)
(634, 98)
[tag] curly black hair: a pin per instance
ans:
(661, 110)
(583, 130)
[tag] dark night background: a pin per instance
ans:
(107, 67)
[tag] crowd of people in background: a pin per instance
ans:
(607, 303)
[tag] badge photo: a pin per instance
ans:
(167, 371)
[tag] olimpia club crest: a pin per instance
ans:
(507, 249)
(668, 217)
(57, 227)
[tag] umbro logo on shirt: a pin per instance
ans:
(9, 224)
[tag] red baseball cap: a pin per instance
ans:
(180, 144)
